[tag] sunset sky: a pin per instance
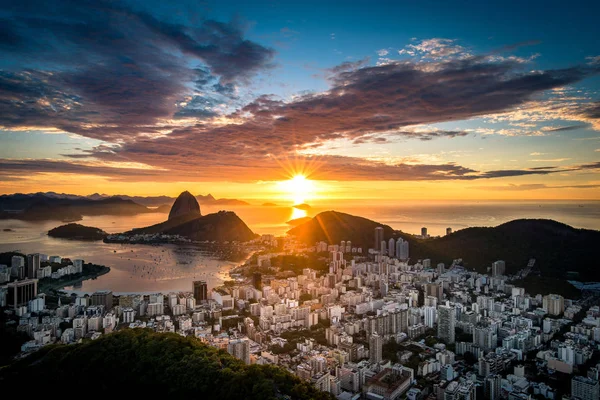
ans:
(366, 99)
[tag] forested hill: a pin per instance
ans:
(557, 248)
(139, 362)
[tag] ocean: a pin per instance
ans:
(165, 268)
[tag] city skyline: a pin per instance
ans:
(253, 100)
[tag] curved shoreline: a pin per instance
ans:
(58, 285)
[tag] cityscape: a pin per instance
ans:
(300, 200)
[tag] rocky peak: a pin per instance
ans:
(186, 203)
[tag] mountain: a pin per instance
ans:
(77, 232)
(154, 201)
(557, 248)
(223, 226)
(303, 206)
(43, 206)
(334, 226)
(142, 363)
(298, 221)
(185, 204)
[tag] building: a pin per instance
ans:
(423, 232)
(240, 348)
(435, 290)
(33, 264)
(554, 304)
(448, 231)
(485, 338)
(584, 388)
(20, 292)
(104, 298)
(493, 387)
(498, 268)
(17, 267)
(446, 323)
(389, 384)
(401, 249)
(378, 238)
(391, 247)
(200, 289)
(375, 348)
(257, 280)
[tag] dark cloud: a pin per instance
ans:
(592, 111)
(568, 128)
(107, 71)
(534, 186)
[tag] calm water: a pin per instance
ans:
(143, 268)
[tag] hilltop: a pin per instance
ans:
(77, 232)
(221, 226)
(140, 362)
(557, 248)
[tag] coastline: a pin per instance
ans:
(56, 286)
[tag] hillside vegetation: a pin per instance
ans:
(137, 362)
(557, 248)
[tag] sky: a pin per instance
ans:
(365, 99)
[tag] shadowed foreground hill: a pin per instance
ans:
(77, 231)
(333, 227)
(221, 226)
(140, 362)
(557, 247)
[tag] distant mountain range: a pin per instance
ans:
(39, 206)
(154, 201)
(557, 248)
(69, 207)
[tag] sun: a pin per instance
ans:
(298, 188)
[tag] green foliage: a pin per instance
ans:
(11, 339)
(139, 362)
(297, 263)
(305, 297)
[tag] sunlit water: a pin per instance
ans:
(145, 268)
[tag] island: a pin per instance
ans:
(303, 206)
(74, 231)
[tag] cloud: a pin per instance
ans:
(166, 95)
(435, 48)
(551, 160)
(533, 186)
(103, 69)
(383, 52)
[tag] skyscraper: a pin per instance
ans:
(257, 280)
(424, 232)
(201, 290)
(33, 264)
(401, 249)
(17, 267)
(378, 238)
(554, 304)
(103, 297)
(446, 323)
(240, 348)
(391, 247)
(435, 290)
(375, 348)
(498, 268)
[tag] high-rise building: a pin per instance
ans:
(201, 291)
(102, 297)
(498, 268)
(401, 249)
(584, 388)
(383, 249)
(446, 323)
(378, 238)
(240, 348)
(17, 267)
(430, 316)
(424, 232)
(20, 292)
(33, 264)
(257, 280)
(485, 338)
(375, 348)
(554, 304)
(435, 290)
(391, 247)
(493, 386)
